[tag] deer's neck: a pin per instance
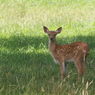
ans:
(52, 44)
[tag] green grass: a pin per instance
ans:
(26, 67)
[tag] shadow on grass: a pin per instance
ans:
(33, 65)
(15, 43)
(24, 41)
(18, 45)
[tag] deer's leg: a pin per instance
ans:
(63, 70)
(80, 68)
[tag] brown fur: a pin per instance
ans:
(75, 52)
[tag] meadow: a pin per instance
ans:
(26, 66)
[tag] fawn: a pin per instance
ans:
(75, 52)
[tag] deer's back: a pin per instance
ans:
(70, 51)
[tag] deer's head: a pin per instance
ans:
(52, 34)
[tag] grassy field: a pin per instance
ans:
(26, 67)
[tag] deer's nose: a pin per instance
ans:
(51, 38)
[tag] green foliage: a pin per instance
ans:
(26, 67)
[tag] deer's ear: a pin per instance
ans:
(45, 29)
(59, 30)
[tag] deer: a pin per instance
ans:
(75, 52)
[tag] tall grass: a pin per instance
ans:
(26, 67)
